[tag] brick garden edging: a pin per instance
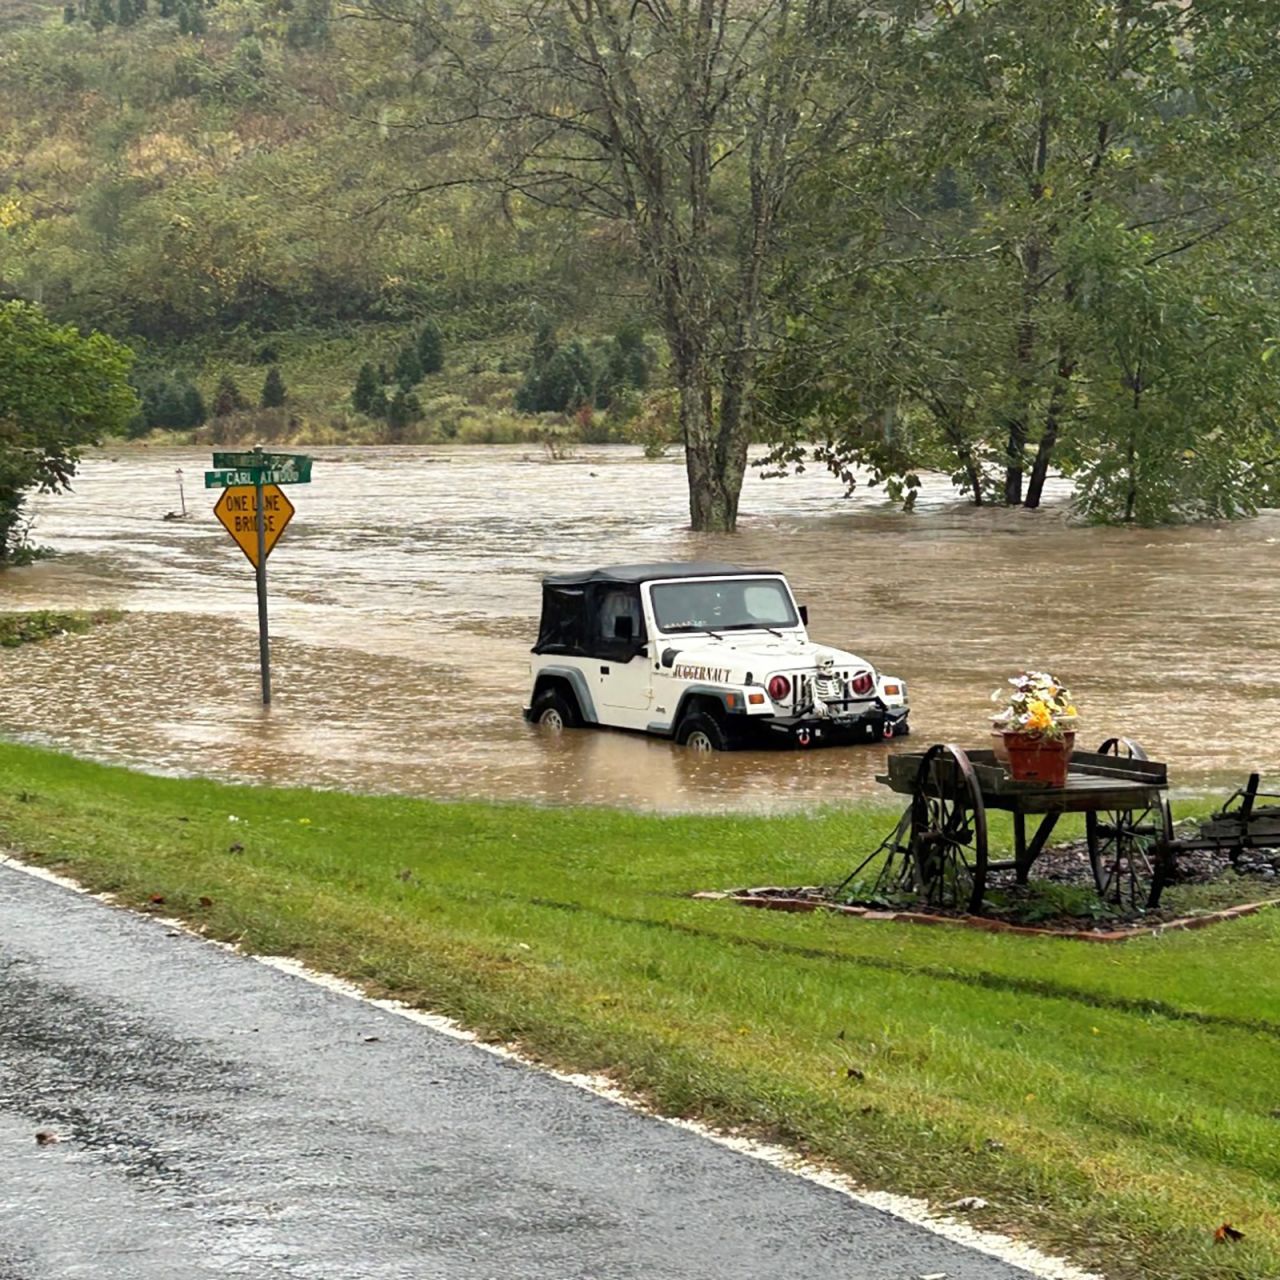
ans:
(770, 903)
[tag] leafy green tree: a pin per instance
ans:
(431, 348)
(366, 388)
(273, 389)
(955, 321)
(59, 391)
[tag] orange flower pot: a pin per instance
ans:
(1036, 759)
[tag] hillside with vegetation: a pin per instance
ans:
(994, 238)
(193, 180)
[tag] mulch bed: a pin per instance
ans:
(1258, 873)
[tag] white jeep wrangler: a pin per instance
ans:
(711, 655)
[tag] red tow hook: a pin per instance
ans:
(803, 737)
(887, 730)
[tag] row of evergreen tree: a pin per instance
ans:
(563, 377)
(388, 393)
(174, 401)
(100, 14)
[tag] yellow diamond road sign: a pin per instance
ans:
(238, 511)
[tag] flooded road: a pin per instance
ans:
(405, 596)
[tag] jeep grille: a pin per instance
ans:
(829, 688)
(804, 694)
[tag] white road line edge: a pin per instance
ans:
(917, 1212)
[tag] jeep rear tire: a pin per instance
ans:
(554, 711)
(702, 732)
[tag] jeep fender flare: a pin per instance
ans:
(694, 693)
(577, 682)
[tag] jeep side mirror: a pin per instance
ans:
(624, 627)
(804, 614)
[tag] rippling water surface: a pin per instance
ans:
(405, 595)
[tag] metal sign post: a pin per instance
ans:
(259, 472)
(264, 643)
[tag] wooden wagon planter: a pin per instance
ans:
(938, 850)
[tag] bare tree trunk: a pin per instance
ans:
(1052, 424)
(1131, 454)
(1024, 350)
(713, 503)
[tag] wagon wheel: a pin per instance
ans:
(1125, 844)
(948, 831)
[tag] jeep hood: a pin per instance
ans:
(758, 652)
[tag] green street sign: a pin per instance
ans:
(295, 470)
(258, 458)
(224, 479)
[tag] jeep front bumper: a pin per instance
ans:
(870, 724)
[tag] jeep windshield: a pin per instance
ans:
(739, 604)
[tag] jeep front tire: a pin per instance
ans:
(554, 711)
(702, 732)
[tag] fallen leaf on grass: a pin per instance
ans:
(157, 899)
(206, 902)
(853, 1073)
(405, 875)
(46, 1138)
(235, 848)
(1227, 1234)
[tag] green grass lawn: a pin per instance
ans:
(1115, 1103)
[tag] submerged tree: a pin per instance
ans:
(687, 124)
(1061, 166)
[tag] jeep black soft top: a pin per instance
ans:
(574, 603)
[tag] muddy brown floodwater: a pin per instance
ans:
(405, 597)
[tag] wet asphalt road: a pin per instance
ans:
(221, 1118)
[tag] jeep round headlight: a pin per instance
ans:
(779, 687)
(862, 683)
